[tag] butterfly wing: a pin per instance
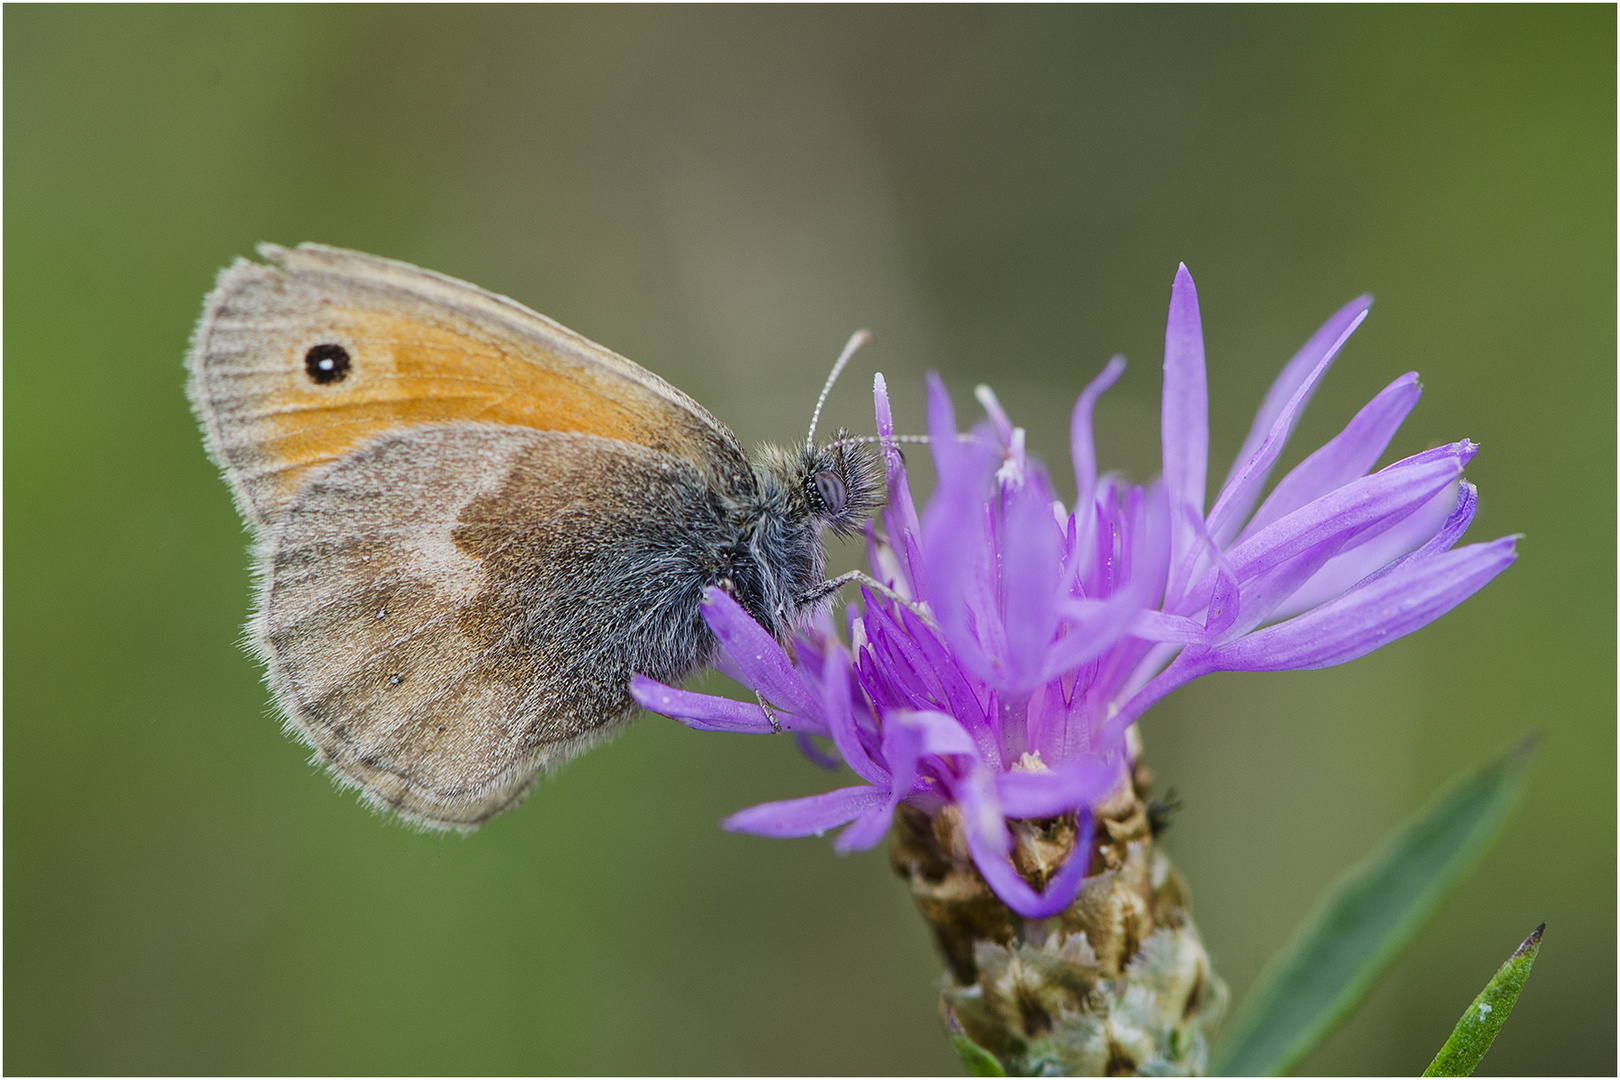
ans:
(440, 634)
(296, 363)
(474, 525)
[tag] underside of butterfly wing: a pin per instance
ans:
(296, 363)
(449, 610)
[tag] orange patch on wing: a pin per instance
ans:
(405, 372)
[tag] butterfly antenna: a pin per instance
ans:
(857, 440)
(856, 340)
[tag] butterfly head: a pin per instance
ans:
(843, 481)
(836, 486)
(803, 491)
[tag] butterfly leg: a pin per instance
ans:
(827, 588)
(770, 713)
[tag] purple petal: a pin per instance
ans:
(1126, 668)
(901, 678)
(1090, 627)
(1370, 615)
(725, 665)
(1431, 531)
(867, 829)
(1095, 626)
(880, 403)
(1225, 604)
(975, 795)
(1158, 626)
(1351, 514)
(705, 712)
(960, 700)
(1184, 427)
(1383, 551)
(956, 538)
(901, 512)
(926, 731)
(1031, 546)
(841, 720)
(1051, 718)
(1251, 470)
(904, 660)
(1073, 785)
(911, 651)
(907, 687)
(810, 816)
(976, 627)
(1456, 524)
(1016, 892)
(988, 843)
(1147, 541)
(883, 563)
(917, 572)
(1082, 445)
(1345, 457)
(1331, 334)
(763, 663)
(998, 416)
(907, 738)
(943, 444)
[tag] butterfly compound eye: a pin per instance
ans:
(831, 488)
(327, 363)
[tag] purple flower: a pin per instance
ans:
(1021, 641)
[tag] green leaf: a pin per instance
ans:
(1365, 920)
(1478, 1027)
(979, 1061)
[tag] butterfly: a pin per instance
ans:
(473, 526)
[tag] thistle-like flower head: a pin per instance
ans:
(998, 674)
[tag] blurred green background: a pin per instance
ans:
(723, 195)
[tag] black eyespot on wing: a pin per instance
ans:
(830, 486)
(327, 363)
